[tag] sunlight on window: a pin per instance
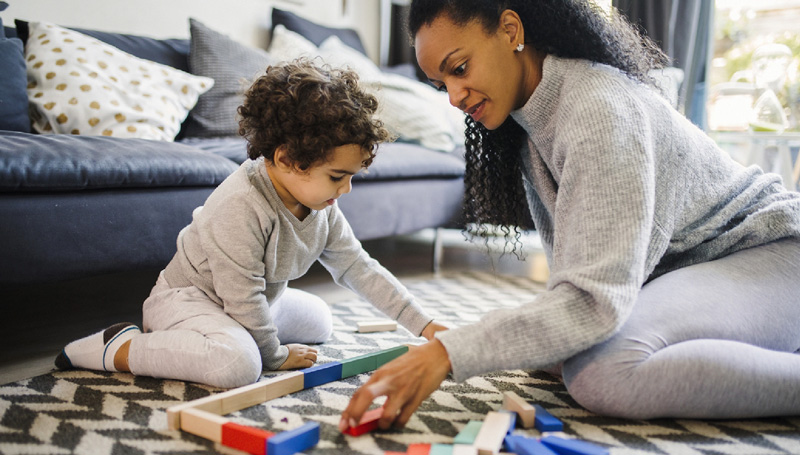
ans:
(754, 68)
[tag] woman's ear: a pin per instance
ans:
(511, 27)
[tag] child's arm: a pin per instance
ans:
(353, 268)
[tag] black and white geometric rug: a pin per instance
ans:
(103, 413)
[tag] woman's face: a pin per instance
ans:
(482, 73)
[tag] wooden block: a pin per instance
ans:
(572, 446)
(368, 422)
(526, 446)
(464, 449)
(545, 421)
(492, 432)
(239, 398)
(468, 434)
(377, 326)
(202, 423)
(525, 411)
(210, 404)
(322, 374)
(441, 449)
(361, 364)
(243, 397)
(390, 354)
(284, 384)
(249, 439)
(293, 441)
(419, 449)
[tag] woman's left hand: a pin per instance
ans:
(406, 382)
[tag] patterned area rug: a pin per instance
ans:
(101, 413)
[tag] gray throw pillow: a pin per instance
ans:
(233, 66)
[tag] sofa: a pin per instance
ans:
(76, 205)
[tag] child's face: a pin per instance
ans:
(323, 183)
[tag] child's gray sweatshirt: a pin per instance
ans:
(622, 189)
(244, 245)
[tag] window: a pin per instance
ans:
(753, 76)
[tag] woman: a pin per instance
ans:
(673, 289)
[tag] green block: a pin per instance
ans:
(361, 364)
(390, 354)
(468, 434)
(441, 449)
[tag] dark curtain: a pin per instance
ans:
(400, 49)
(682, 28)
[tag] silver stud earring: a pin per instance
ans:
(520, 47)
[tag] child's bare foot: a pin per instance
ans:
(300, 356)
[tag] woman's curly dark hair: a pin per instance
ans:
(310, 109)
(565, 28)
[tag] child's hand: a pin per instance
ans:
(300, 356)
(431, 329)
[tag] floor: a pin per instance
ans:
(32, 338)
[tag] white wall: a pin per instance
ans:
(246, 21)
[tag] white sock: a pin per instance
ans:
(96, 352)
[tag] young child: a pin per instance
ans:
(221, 310)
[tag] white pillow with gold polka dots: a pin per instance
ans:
(80, 85)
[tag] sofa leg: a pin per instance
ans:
(437, 251)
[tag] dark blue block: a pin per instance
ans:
(545, 421)
(322, 374)
(573, 446)
(293, 441)
(513, 423)
(526, 446)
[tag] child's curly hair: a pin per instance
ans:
(310, 109)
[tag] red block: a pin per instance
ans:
(419, 449)
(369, 422)
(249, 439)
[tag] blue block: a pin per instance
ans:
(322, 374)
(573, 446)
(526, 446)
(513, 422)
(293, 441)
(545, 421)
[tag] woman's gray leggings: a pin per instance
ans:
(716, 340)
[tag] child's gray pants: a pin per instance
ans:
(190, 338)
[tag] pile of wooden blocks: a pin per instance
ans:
(204, 417)
(494, 433)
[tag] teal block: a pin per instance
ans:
(390, 354)
(441, 449)
(361, 364)
(468, 434)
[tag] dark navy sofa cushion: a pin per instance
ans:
(394, 160)
(13, 82)
(173, 52)
(38, 162)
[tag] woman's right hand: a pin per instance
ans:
(300, 356)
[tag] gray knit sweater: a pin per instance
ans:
(622, 189)
(244, 245)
